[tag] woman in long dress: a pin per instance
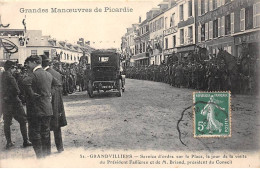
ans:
(209, 110)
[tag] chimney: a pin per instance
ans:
(140, 19)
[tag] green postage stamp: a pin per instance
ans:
(212, 114)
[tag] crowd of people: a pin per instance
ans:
(207, 75)
(38, 87)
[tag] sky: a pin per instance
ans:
(103, 28)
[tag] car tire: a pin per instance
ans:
(90, 89)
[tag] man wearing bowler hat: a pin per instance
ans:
(58, 119)
(38, 90)
(12, 106)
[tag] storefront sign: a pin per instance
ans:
(225, 10)
(184, 49)
(248, 38)
(169, 51)
(170, 31)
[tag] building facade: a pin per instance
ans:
(228, 24)
(33, 42)
(186, 27)
(142, 39)
(170, 32)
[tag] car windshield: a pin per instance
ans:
(103, 59)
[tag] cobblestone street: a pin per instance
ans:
(144, 118)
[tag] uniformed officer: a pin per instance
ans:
(58, 119)
(12, 106)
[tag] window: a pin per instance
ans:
(242, 19)
(47, 53)
(103, 59)
(215, 4)
(203, 32)
(190, 8)
(190, 35)
(215, 28)
(249, 18)
(144, 47)
(227, 25)
(6, 55)
(162, 20)
(166, 43)
(172, 23)
(181, 36)
(33, 52)
(181, 12)
(232, 22)
(202, 6)
(166, 23)
(228, 49)
(174, 40)
(206, 31)
(256, 16)
(210, 29)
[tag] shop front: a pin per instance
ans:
(184, 51)
(168, 53)
(248, 41)
(141, 59)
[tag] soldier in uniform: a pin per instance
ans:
(179, 75)
(12, 106)
(58, 119)
(38, 86)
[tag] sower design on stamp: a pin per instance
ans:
(212, 116)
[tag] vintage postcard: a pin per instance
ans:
(129, 84)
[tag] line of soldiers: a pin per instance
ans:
(206, 75)
(39, 87)
(74, 76)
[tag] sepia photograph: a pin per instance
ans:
(129, 84)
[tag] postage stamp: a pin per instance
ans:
(212, 114)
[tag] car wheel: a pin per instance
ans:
(90, 89)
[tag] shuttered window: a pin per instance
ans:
(223, 25)
(210, 30)
(256, 15)
(206, 31)
(232, 23)
(199, 7)
(242, 19)
(210, 5)
(206, 6)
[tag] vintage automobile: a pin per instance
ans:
(105, 72)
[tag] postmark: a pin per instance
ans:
(212, 114)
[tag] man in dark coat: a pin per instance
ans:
(12, 106)
(58, 119)
(39, 109)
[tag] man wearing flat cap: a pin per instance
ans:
(12, 106)
(39, 109)
(58, 119)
